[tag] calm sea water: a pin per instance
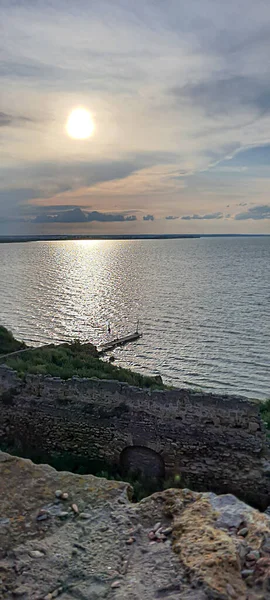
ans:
(203, 304)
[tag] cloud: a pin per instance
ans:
(256, 213)
(76, 215)
(148, 217)
(222, 95)
(217, 215)
(136, 174)
(11, 199)
(173, 92)
(171, 218)
(6, 120)
(131, 218)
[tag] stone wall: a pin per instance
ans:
(215, 442)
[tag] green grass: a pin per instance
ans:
(67, 360)
(8, 342)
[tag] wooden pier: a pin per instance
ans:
(131, 337)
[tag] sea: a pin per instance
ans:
(203, 304)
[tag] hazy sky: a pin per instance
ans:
(180, 96)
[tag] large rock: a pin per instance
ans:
(79, 537)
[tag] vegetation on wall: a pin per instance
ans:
(265, 413)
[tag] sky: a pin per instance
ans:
(179, 93)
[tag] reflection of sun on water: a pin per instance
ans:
(80, 124)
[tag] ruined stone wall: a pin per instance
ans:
(215, 442)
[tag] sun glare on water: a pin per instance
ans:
(80, 124)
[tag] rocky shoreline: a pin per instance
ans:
(79, 537)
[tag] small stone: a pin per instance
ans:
(242, 551)
(48, 597)
(243, 532)
(42, 516)
(160, 537)
(64, 496)
(58, 493)
(266, 546)
(80, 547)
(250, 581)
(115, 584)
(167, 531)
(121, 500)
(232, 593)
(85, 515)
(63, 514)
(247, 572)
(263, 562)
(130, 541)
(156, 527)
(20, 591)
(36, 554)
(254, 555)
(75, 509)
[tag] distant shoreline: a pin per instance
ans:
(9, 239)
(62, 237)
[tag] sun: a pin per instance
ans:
(80, 125)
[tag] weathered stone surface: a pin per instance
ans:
(89, 559)
(214, 442)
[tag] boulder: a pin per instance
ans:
(197, 552)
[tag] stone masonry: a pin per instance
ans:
(214, 442)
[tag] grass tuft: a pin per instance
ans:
(8, 342)
(68, 360)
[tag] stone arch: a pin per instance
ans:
(143, 460)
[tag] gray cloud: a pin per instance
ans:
(6, 119)
(148, 218)
(224, 94)
(54, 177)
(257, 213)
(76, 215)
(130, 218)
(217, 215)
(10, 199)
